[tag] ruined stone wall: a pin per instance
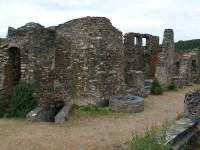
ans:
(187, 68)
(192, 105)
(166, 59)
(5, 83)
(90, 54)
(37, 50)
(141, 53)
(135, 82)
(80, 58)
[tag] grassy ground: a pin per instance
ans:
(85, 131)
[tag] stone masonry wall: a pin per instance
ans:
(5, 72)
(90, 52)
(166, 58)
(80, 58)
(37, 51)
(187, 68)
(141, 53)
(192, 105)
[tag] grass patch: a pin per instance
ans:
(92, 111)
(179, 115)
(150, 141)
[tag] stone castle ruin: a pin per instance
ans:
(141, 53)
(89, 59)
(182, 68)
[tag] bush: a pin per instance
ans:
(2, 106)
(150, 141)
(22, 100)
(172, 87)
(156, 88)
(126, 68)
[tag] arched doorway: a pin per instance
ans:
(14, 63)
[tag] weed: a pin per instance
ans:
(150, 141)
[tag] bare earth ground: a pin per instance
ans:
(100, 133)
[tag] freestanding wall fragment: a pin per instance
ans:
(166, 57)
(141, 53)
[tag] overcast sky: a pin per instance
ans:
(143, 16)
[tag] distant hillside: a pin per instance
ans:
(187, 45)
(2, 40)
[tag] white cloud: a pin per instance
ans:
(148, 16)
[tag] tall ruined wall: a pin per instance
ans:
(90, 54)
(166, 58)
(80, 58)
(168, 45)
(154, 48)
(187, 68)
(141, 52)
(36, 46)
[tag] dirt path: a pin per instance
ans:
(101, 133)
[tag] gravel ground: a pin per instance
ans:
(100, 133)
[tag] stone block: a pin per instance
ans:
(181, 133)
(45, 113)
(63, 114)
(127, 103)
(135, 81)
(41, 114)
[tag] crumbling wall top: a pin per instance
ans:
(168, 36)
(89, 23)
(133, 34)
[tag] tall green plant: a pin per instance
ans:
(2, 106)
(22, 100)
(156, 88)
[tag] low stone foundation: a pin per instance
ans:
(182, 134)
(127, 103)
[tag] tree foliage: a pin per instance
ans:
(2, 40)
(187, 45)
